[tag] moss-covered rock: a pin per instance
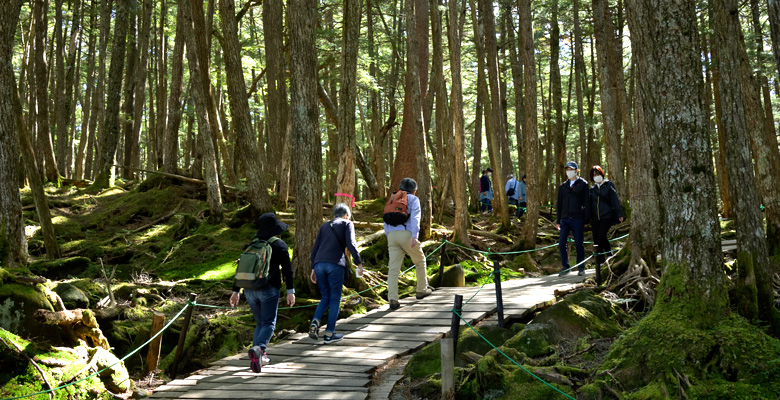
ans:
(18, 303)
(523, 262)
(61, 268)
(72, 296)
(115, 376)
(453, 276)
(377, 253)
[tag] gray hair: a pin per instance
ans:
(408, 185)
(340, 210)
(510, 176)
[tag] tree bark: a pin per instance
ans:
(87, 115)
(125, 144)
(306, 134)
(42, 96)
(517, 80)
(459, 181)
(476, 146)
(200, 95)
(13, 243)
(132, 142)
(377, 151)
(65, 97)
(345, 178)
(774, 29)
(665, 39)
(488, 23)
(556, 92)
(579, 76)
(278, 113)
(97, 122)
(171, 139)
(608, 88)
(239, 109)
(533, 157)
(110, 136)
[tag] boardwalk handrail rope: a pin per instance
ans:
(490, 252)
(110, 366)
(510, 358)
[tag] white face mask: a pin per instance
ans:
(571, 174)
(490, 174)
(598, 179)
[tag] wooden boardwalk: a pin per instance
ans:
(302, 368)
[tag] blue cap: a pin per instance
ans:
(571, 164)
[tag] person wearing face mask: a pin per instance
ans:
(605, 209)
(573, 211)
(486, 192)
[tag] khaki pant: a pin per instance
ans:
(399, 244)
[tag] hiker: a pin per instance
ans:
(263, 299)
(605, 211)
(512, 189)
(329, 267)
(573, 213)
(522, 200)
(486, 192)
(402, 225)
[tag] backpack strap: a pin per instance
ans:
(341, 242)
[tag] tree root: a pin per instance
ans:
(19, 350)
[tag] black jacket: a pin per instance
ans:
(280, 264)
(573, 201)
(604, 202)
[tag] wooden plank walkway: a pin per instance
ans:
(302, 368)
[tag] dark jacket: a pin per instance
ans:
(484, 184)
(280, 264)
(573, 200)
(604, 202)
(330, 243)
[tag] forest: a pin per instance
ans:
(140, 139)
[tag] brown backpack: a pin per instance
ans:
(396, 209)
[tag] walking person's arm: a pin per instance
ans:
(352, 245)
(558, 209)
(616, 202)
(287, 272)
(413, 223)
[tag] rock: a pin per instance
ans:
(72, 296)
(61, 268)
(454, 276)
(18, 303)
(140, 394)
(115, 378)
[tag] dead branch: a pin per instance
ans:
(161, 219)
(28, 279)
(112, 302)
(180, 177)
(490, 235)
(81, 325)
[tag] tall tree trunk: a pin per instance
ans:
(306, 135)
(476, 146)
(132, 142)
(488, 21)
(345, 178)
(65, 97)
(558, 135)
(42, 96)
(159, 130)
(380, 137)
(579, 76)
(774, 30)
(200, 95)
(723, 176)
(751, 245)
(96, 124)
(277, 89)
(87, 115)
(608, 87)
(171, 135)
(239, 109)
(57, 77)
(110, 136)
(460, 179)
(665, 38)
(13, 243)
(125, 150)
(533, 156)
(517, 80)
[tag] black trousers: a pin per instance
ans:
(600, 229)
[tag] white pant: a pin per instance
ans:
(399, 244)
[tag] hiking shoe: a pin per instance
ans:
(425, 293)
(564, 272)
(333, 338)
(255, 359)
(314, 330)
(265, 359)
(394, 304)
(581, 273)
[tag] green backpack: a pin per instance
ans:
(253, 264)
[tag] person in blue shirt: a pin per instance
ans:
(486, 192)
(515, 191)
(402, 240)
(329, 267)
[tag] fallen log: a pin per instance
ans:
(490, 235)
(180, 177)
(79, 324)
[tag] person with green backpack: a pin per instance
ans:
(259, 272)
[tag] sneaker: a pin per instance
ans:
(314, 329)
(425, 293)
(564, 272)
(265, 359)
(394, 304)
(255, 360)
(581, 273)
(333, 338)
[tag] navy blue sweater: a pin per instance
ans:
(328, 245)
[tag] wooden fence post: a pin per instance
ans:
(447, 369)
(499, 296)
(153, 356)
(455, 324)
(182, 336)
(441, 262)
